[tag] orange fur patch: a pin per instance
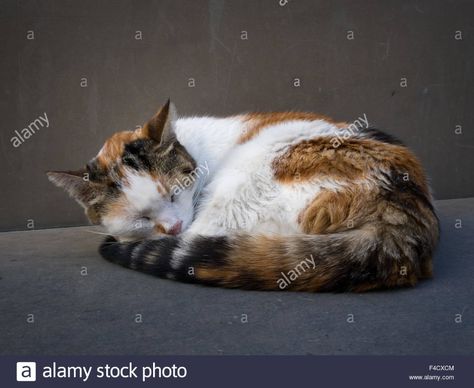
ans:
(117, 208)
(351, 208)
(353, 159)
(162, 189)
(332, 212)
(252, 260)
(114, 146)
(264, 260)
(258, 121)
(160, 229)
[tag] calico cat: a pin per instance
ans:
(263, 201)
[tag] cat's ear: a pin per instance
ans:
(78, 185)
(161, 127)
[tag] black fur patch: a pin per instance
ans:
(151, 256)
(154, 256)
(207, 251)
(137, 154)
(204, 252)
(96, 173)
(376, 134)
(402, 190)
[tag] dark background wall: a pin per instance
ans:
(127, 78)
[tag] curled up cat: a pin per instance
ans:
(266, 201)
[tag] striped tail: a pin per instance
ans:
(357, 260)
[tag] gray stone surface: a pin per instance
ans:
(40, 274)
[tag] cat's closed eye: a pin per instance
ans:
(187, 170)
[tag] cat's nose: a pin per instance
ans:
(176, 228)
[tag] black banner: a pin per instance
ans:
(238, 371)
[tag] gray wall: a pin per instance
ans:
(305, 39)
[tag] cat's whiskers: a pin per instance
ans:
(197, 194)
(96, 232)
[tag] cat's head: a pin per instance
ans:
(134, 186)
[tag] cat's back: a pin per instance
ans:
(261, 128)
